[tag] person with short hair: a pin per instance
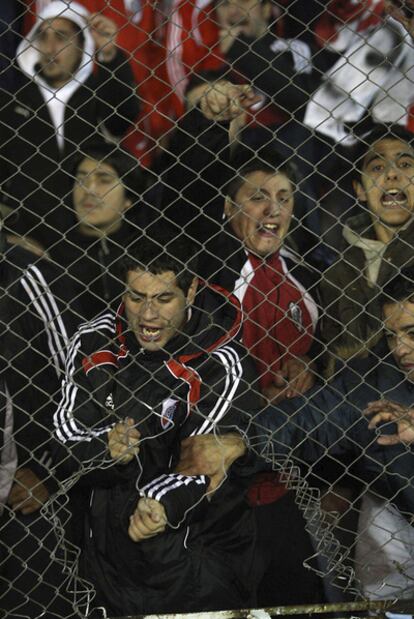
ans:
(330, 422)
(277, 290)
(108, 208)
(140, 382)
(378, 243)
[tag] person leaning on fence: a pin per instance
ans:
(378, 243)
(36, 327)
(61, 102)
(104, 200)
(165, 367)
(337, 420)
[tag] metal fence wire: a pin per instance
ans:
(207, 308)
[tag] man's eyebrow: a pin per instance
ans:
(404, 328)
(258, 189)
(97, 172)
(60, 30)
(154, 296)
(104, 173)
(374, 156)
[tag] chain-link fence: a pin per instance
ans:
(207, 308)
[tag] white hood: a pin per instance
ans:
(27, 58)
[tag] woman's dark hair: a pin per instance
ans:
(125, 165)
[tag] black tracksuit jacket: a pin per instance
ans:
(202, 383)
(36, 327)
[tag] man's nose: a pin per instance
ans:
(272, 208)
(149, 310)
(89, 184)
(49, 46)
(392, 171)
(402, 347)
(234, 12)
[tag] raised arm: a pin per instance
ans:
(114, 87)
(198, 166)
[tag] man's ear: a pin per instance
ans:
(228, 208)
(192, 291)
(127, 204)
(360, 192)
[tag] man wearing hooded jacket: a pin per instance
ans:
(164, 368)
(60, 103)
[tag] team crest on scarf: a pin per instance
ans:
(167, 413)
(296, 315)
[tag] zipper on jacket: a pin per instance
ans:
(103, 252)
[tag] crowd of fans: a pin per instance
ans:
(206, 273)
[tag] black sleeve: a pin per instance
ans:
(81, 424)
(271, 70)
(37, 327)
(197, 171)
(228, 400)
(327, 423)
(115, 93)
(7, 169)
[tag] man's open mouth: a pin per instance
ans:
(394, 198)
(269, 229)
(149, 334)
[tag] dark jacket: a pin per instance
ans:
(328, 422)
(278, 68)
(36, 327)
(200, 384)
(35, 174)
(352, 320)
(92, 266)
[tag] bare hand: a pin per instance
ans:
(384, 411)
(210, 455)
(294, 378)
(104, 32)
(222, 100)
(123, 441)
(397, 12)
(227, 36)
(28, 493)
(149, 519)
